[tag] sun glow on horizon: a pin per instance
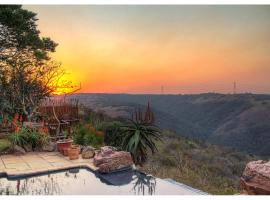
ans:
(65, 84)
(138, 49)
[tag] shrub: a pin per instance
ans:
(113, 133)
(43, 140)
(19, 138)
(139, 138)
(85, 134)
(28, 136)
(79, 134)
(32, 137)
(92, 139)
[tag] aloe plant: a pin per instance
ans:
(140, 137)
(19, 138)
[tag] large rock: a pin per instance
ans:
(49, 147)
(107, 150)
(256, 178)
(17, 150)
(88, 152)
(109, 160)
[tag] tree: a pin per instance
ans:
(27, 73)
(19, 32)
(139, 138)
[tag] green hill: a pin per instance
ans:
(240, 121)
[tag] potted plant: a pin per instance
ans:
(63, 144)
(73, 152)
(65, 151)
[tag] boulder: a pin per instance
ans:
(109, 160)
(256, 178)
(107, 150)
(88, 152)
(17, 150)
(28, 147)
(49, 147)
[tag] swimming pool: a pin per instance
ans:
(81, 181)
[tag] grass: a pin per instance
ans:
(4, 145)
(210, 168)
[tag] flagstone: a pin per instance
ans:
(15, 165)
(12, 160)
(37, 162)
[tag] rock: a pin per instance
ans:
(256, 178)
(88, 152)
(120, 160)
(106, 150)
(109, 160)
(49, 147)
(28, 147)
(17, 150)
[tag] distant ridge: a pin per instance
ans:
(241, 121)
(159, 94)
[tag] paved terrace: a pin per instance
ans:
(37, 162)
(42, 162)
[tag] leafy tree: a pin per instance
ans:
(27, 73)
(139, 138)
(19, 34)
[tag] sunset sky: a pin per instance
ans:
(137, 49)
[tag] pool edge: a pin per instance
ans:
(44, 171)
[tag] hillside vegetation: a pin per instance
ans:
(241, 121)
(203, 166)
(211, 168)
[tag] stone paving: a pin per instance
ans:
(42, 162)
(37, 162)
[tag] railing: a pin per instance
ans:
(61, 114)
(58, 116)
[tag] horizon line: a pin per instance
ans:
(239, 93)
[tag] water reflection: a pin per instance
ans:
(47, 185)
(80, 181)
(142, 183)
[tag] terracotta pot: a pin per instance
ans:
(64, 144)
(73, 152)
(65, 151)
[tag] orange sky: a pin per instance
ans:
(136, 49)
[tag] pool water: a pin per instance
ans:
(84, 182)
